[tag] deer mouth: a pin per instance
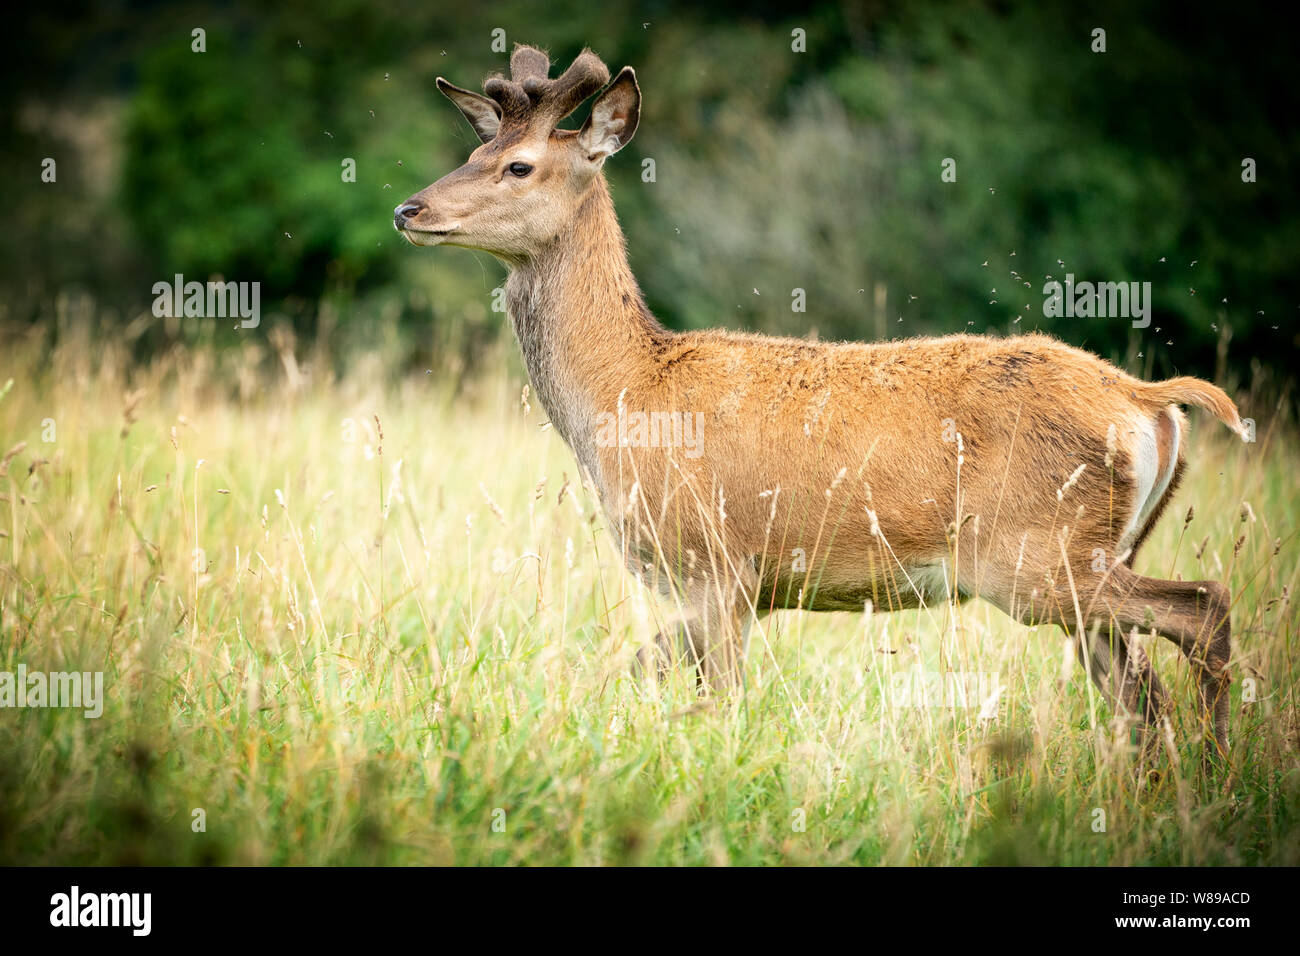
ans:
(424, 237)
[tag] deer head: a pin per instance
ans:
(520, 189)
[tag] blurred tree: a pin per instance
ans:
(235, 164)
(774, 169)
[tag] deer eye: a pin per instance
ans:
(519, 169)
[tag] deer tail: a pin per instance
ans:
(1186, 390)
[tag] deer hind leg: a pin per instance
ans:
(709, 634)
(1126, 679)
(1194, 615)
(1113, 661)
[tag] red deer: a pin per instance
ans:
(1020, 470)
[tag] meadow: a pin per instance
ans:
(374, 616)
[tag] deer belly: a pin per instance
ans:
(901, 587)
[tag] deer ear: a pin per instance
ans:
(483, 114)
(613, 117)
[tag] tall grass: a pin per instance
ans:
(378, 620)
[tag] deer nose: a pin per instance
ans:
(406, 212)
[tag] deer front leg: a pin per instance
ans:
(710, 633)
(670, 648)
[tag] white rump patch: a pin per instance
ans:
(1151, 480)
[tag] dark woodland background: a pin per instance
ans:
(774, 169)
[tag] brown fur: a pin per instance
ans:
(828, 474)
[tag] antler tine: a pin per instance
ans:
(529, 96)
(564, 94)
(520, 94)
(528, 62)
(514, 102)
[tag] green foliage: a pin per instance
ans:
(775, 170)
(1060, 167)
(222, 177)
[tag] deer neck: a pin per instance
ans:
(585, 332)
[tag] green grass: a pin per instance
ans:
(344, 654)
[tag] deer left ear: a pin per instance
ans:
(613, 117)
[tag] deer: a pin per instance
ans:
(1020, 470)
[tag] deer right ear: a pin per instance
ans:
(483, 114)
